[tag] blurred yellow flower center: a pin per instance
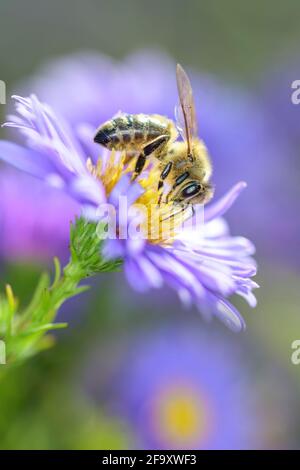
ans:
(182, 417)
(160, 221)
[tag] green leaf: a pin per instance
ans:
(46, 327)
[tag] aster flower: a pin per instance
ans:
(181, 388)
(204, 271)
(89, 87)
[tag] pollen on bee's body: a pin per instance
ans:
(139, 136)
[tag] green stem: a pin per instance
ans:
(24, 333)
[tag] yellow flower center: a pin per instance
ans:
(160, 221)
(182, 417)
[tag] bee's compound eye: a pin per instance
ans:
(191, 190)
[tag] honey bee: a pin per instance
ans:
(184, 165)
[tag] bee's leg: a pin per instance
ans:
(170, 193)
(179, 180)
(148, 150)
(181, 210)
(163, 176)
(140, 163)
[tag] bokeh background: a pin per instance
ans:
(138, 371)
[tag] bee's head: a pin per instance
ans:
(194, 192)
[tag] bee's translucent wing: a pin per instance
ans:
(185, 112)
(118, 114)
(179, 120)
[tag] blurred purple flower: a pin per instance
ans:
(180, 388)
(280, 92)
(280, 95)
(34, 219)
(203, 270)
(90, 87)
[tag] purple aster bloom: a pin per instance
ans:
(181, 388)
(90, 88)
(204, 270)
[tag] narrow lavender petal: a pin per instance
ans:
(41, 120)
(187, 293)
(222, 255)
(194, 236)
(136, 276)
(125, 187)
(69, 139)
(217, 278)
(85, 133)
(248, 296)
(89, 212)
(26, 160)
(50, 135)
(113, 249)
(169, 265)
(236, 266)
(246, 271)
(185, 297)
(215, 229)
(135, 190)
(119, 190)
(217, 209)
(226, 312)
(135, 246)
(237, 248)
(88, 190)
(151, 272)
(214, 275)
(236, 244)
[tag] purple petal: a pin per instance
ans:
(113, 248)
(125, 187)
(249, 297)
(219, 208)
(179, 271)
(26, 160)
(85, 134)
(49, 134)
(136, 276)
(227, 313)
(150, 271)
(90, 212)
(215, 277)
(135, 245)
(88, 190)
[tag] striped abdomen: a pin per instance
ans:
(129, 131)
